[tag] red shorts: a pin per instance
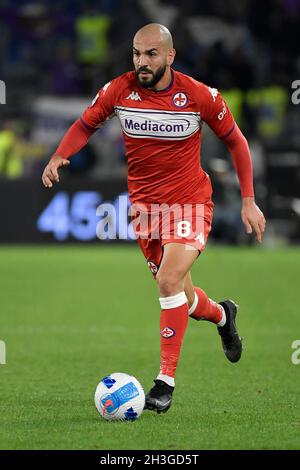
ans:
(189, 224)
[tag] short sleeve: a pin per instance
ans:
(102, 106)
(215, 112)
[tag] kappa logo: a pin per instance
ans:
(104, 88)
(167, 332)
(214, 93)
(134, 96)
(200, 238)
(95, 99)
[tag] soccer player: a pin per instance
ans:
(161, 112)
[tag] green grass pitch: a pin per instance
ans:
(71, 315)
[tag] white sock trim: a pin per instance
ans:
(167, 379)
(194, 306)
(173, 301)
(223, 319)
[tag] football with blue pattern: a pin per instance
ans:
(119, 397)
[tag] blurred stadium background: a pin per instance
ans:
(55, 56)
(71, 315)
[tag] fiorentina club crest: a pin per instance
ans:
(180, 99)
(167, 332)
(152, 267)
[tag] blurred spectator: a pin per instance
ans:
(269, 105)
(65, 72)
(227, 224)
(10, 152)
(159, 12)
(92, 29)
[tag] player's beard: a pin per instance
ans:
(156, 76)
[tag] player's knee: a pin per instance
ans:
(168, 284)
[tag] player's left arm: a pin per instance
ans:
(217, 115)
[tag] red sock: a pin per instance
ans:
(173, 323)
(205, 308)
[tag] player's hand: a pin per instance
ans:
(253, 218)
(50, 173)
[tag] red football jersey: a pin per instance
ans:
(162, 132)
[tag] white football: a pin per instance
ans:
(119, 396)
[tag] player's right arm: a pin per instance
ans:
(50, 174)
(82, 129)
(75, 138)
